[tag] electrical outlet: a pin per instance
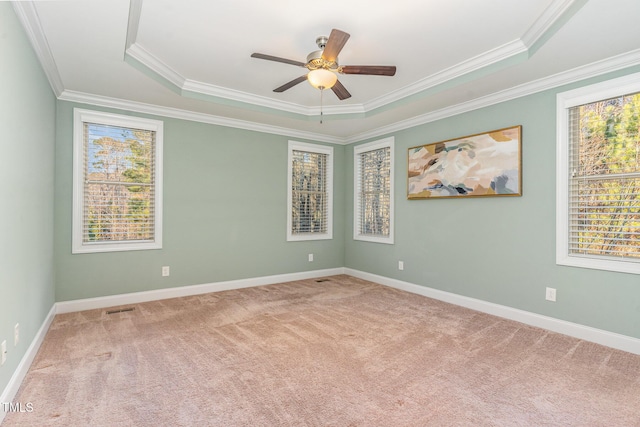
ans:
(165, 271)
(16, 334)
(551, 294)
(310, 257)
(3, 352)
(400, 265)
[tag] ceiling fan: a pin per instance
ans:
(323, 66)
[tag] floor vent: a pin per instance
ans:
(122, 310)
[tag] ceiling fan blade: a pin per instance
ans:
(277, 59)
(336, 42)
(340, 91)
(372, 70)
(291, 84)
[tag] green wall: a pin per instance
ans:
(27, 111)
(500, 250)
(225, 199)
(225, 215)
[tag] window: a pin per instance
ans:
(310, 194)
(117, 183)
(373, 192)
(598, 176)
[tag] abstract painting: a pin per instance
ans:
(486, 164)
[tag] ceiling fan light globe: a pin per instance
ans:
(322, 79)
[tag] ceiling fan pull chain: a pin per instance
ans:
(321, 91)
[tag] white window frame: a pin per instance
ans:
(565, 101)
(80, 117)
(357, 206)
(311, 148)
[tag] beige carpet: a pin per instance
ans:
(342, 352)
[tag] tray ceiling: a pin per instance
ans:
(192, 59)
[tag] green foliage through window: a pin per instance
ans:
(118, 180)
(605, 178)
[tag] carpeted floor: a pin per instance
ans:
(340, 352)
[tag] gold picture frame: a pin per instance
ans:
(480, 165)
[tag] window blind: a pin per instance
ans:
(604, 182)
(309, 192)
(119, 184)
(374, 192)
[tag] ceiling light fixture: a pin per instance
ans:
(322, 79)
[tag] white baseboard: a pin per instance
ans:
(183, 291)
(599, 336)
(587, 333)
(15, 382)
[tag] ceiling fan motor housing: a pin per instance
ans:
(315, 61)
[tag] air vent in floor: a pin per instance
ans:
(122, 310)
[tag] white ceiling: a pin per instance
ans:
(191, 59)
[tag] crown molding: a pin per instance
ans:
(133, 24)
(30, 21)
(556, 14)
(201, 90)
(477, 63)
(549, 18)
(156, 110)
(207, 89)
(153, 63)
(595, 69)
(518, 50)
(615, 63)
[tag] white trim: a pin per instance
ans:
(147, 59)
(357, 150)
(587, 333)
(615, 63)
(208, 89)
(599, 336)
(175, 113)
(81, 116)
(311, 148)
(133, 23)
(181, 84)
(29, 19)
(193, 88)
(485, 59)
(10, 391)
(545, 22)
(183, 291)
(201, 88)
(565, 100)
(542, 25)
(28, 16)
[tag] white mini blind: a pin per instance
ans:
(604, 181)
(374, 192)
(119, 184)
(309, 207)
